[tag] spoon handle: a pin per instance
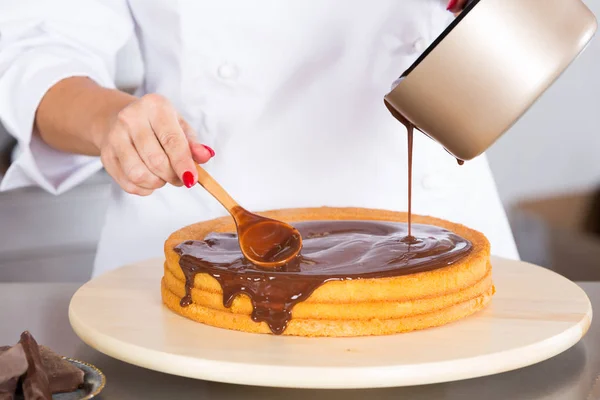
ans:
(213, 187)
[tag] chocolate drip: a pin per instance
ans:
(460, 162)
(332, 251)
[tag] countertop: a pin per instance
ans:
(42, 309)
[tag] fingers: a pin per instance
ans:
(134, 169)
(113, 167)
(123, 162)
(456, 6)
(165, 124)
(150, 145)
(150, 150)
(201, 153)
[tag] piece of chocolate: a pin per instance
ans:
(63, 376)
(8, 389)
(13, 364)
(35, 382)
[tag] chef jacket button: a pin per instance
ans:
(419, 45)
(228, 71)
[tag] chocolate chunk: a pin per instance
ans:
(8, 389)
(35, 382)
(13, 364)
(63, 376)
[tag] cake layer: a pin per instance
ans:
(369, 309)
(330, 327)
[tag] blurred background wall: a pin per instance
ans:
(547, 165)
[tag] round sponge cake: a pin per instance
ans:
(359, 307)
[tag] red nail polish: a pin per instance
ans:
(211, 151)
(452, 4)
(188, 179)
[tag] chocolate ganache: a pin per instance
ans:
(332, 251)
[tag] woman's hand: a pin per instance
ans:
(456, 6)
(143, 142)
(149, 144)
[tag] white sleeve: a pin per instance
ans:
(41, 43)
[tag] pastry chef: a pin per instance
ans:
(288, 94)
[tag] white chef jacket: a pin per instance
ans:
(288, 93)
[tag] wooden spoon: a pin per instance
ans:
(264, 241)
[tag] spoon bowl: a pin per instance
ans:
(264, 241)
(269, 243)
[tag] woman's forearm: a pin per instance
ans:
(76, 114)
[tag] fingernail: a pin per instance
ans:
(451, 4)
(188, 179)
(211, 151)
